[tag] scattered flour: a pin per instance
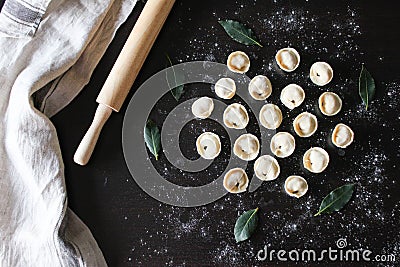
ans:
(374, 209)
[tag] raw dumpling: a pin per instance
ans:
(236, 180)
(235, 116)
(208, 145)
(270, 116)
(296, 186)
(246, 147)
(238, 62)
(288, 59)
(316, 159)
(260, 87)
(225, 88)
(321, 73)
(329, 103)
(305, 124)
(203, 107)
(342, 135)
(292, 96)
(266, 168)
(282, 144)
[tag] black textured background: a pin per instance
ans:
(134, 229)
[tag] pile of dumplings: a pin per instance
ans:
(282, 145)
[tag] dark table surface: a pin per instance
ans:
(134, 229)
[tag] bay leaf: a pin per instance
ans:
(239, 32)
(152, 138)
(336, 199)
(177, 92)
(245, 225)
(366, 85)
(174, 80)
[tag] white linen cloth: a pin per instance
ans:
(48, 50)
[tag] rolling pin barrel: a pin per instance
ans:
(125, 71)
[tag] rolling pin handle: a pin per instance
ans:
(86, 147)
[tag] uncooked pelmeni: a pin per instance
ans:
(260, 87)
(282, 144)
(266, 168)
(235, 116)
(342, 135)
(321, 73)
(292, 96)
(238, 62)
(236, 180)
(202, 107)
(329, 103)
(288, 59)
(270, 116)
(316, 159)
(225, 88)
(246, 147)
(296, 186)
(305, 124)
(208, 145)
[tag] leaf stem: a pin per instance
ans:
(251, 216)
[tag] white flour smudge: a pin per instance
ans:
(367, 168)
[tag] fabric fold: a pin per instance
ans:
(36, 227)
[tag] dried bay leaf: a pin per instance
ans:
(366, 86)
(336, 199)
(152, 138)
(239, 32)
(174, 80)
(245, 225)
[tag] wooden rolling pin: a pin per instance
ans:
(124, 71)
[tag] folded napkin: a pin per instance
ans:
(48, 50)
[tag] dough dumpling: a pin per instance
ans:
(203, 107)
(329, 103)
(321, 73)
(225, 88)
(260, 87)
(238, 62)
(270, 116)
(305, 124)
(342, 135)
(316, 159)
(208, 145)
(296, 186)
(288, 59)
(292, 96)
(282, 144)
(235, 116)
(266, 168)
(236, 180)
(246, 147)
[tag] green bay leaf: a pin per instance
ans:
(152, 138)
(245, 225)
(366, 85)
(239, 32)
(175, 80)
(336, 199)
(177, 92)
